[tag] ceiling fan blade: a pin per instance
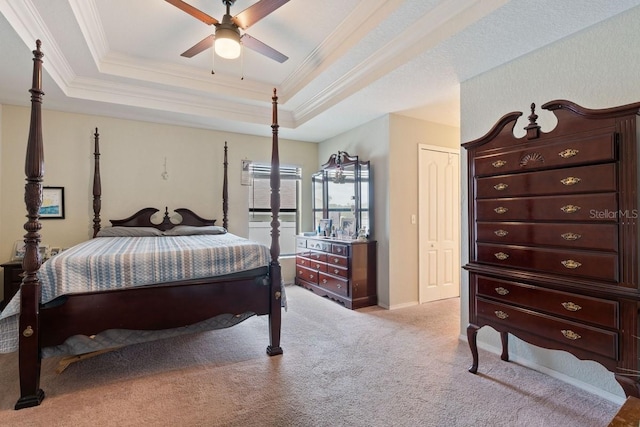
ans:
(196, 13)
(256, 12)
(202, 45)
(255, 44)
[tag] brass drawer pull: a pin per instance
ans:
(569, 263)
(502, 291)
(336, 260)
(501, 256)
(324, 281)
(570, 209)
(28, 331)
(569, 152)
(500, 233)
(300, 272)
(500, 210)
(570, 180)
(311, 276)
(571, 306)
(339, 285)
(501, 186)
(571, 236)
(501, 314)
(317, 265)
(336, 271)
(569, 334)
(498, 163)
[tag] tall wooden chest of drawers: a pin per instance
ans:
(343, 270)
(554, 238)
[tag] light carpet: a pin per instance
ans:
(370, 367)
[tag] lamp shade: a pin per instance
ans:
(227, 42)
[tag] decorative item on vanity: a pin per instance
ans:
(547, 261)
(337, 264)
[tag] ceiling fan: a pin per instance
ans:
(226, 39)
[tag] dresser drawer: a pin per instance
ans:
(576, 307)
(16, 275)
(583, 207)
(311, 263)
(321, 246)
(601, 236)
(567, 333)
(596, 149)
(307, 274)
(595, 265)
(338, 271)
(334, 284)
(584, 179)
(338, 260)
(339, 249)
(317, 256)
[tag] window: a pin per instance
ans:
(260, 205)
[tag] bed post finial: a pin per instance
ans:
(97, 185)
(225, 191)
(29, 333)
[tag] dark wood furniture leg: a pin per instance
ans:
(630, 385)
(472, 335)
(504, 337)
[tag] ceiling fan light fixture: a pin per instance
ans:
(227, 42)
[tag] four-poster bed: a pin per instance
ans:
(163, 305)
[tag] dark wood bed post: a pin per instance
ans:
(97, 185)
(225, 191)
(275, 317)
(29, 353)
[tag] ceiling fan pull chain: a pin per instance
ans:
(241, 61)
(213, 61)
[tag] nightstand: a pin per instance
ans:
(12, 279)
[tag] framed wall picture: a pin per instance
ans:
(52, 203)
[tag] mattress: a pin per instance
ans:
(120, 262)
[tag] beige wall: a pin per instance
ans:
(597, 68)
(132, 161)
(406, 134)
(391, 144)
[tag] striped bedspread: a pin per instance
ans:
(119, 262)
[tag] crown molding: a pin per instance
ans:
(444, 20)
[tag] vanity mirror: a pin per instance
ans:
(342, 193)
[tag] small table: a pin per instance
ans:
(12, 280)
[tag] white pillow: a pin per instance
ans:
(119, 231)
(190, 230)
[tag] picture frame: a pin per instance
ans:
(324, 227)
(19, 249)
(52, 203)
(55, 250)
(348, 226)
